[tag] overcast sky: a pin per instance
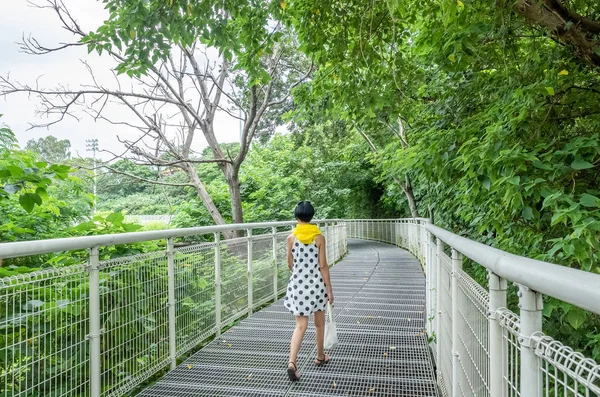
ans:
(65, 67)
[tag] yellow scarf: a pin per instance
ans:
(306, 233)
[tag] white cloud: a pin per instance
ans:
(65, 67)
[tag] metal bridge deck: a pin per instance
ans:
(380, 314)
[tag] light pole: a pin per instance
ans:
(92, 146)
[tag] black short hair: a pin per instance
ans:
(304, 211)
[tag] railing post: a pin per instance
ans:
(275, 291)
(218, 283)
(327, 253)
(497, 287)
(428, 303)
(456, 267)
(431, 280)
(334, 241)
(95, 331)
(423, 238)
(171, 302)
(438, 304)
(531, 305)
(250, 277)
(415, 238)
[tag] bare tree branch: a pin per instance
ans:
(154, 182)
(296, 84)
(170, 103)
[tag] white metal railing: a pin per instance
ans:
(104, 327)
(143, 219)
(482, 348)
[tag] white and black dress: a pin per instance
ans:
(306, 291)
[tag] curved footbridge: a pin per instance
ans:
(380, 314)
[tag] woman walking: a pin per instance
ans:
(309, 288)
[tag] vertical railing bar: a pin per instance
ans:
(438, 298)
(328, 253)
(497, 290)
(218, 308)
(428, 303)
(250, 277)
(334, 241)
(531, 305)
(275, 268)
(456, 267)
(171, 301)
(432, 277)
(95, 331)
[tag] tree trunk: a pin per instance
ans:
(412, 203)
(410, 197)
(406, 186)
(233, 182)
(564, 25)
(206, 199)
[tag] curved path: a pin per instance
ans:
(380, 304)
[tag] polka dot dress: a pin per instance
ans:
(306, 288)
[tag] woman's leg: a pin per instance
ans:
(320, 328)
(301, 326)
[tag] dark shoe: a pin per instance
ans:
(292, 372)
(319, 362)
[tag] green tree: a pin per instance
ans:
(257, 65)
(50, 149)
(23, 176)
(499, 108)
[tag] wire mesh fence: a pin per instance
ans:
(44, 318)
(445, 319)
(565, 372)
(464, 365)
(262, 270)
(156, 306)
(283, 273)
(511, 353)
(194, 294)
(153, 308)
(134, 319)
(473, 344)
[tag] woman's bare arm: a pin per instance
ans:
(322, 246)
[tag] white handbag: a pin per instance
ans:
(331, 339)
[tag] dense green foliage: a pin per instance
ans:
(498, 125)
(37, 200)
(474, 112)
(289, 168)
(238, 29)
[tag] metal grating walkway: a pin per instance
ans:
(380, 304)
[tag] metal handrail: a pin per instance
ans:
(37, 247)
(451, 317)
(573, 286)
